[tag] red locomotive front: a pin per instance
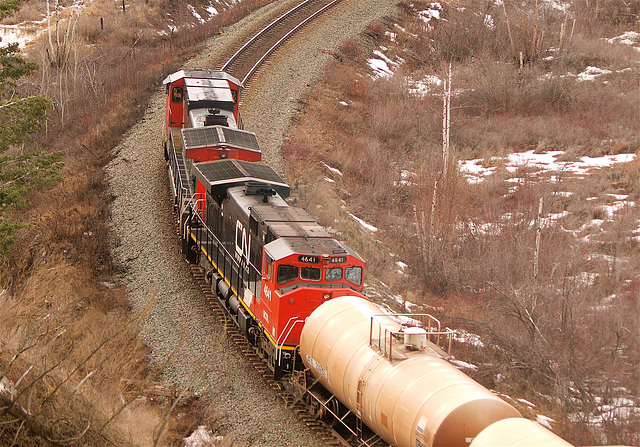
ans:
(299, 273)
(274, 263)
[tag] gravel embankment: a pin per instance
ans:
(178, 325)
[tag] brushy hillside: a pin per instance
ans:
(72, 369)
(529, 237)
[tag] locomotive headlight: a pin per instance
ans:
(326, 296)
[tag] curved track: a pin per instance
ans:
(244, 64)
(248, 59)
(178, 325)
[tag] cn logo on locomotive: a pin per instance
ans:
(243, 245)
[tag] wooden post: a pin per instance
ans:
(101, 24)
(123, 7)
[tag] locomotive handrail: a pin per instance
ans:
(190, 203)
(212, 241)
(181, 190)
(280, 341)
(325, 405)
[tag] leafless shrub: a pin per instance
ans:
(28, 12)
(498, 89)
(351, 49)
(376, 30)
(558, 315)
(66, 341)
(605, 15)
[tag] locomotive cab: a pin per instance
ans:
(190, 90)
(299, 274)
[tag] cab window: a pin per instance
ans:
(333, 274)
(354, 275)
(287, 273)
(176, 95)
(268, 269)
(310, 273)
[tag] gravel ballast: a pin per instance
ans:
(178, 325)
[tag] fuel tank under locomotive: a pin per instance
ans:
(415, 399)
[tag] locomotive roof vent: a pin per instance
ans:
(415, 338)
(214, 118)
(259, 189)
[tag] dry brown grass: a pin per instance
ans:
(65, 320)
(558, 339)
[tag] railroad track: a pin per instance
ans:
(245, 63)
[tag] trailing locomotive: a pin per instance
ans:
(270, 264)
(296, 293)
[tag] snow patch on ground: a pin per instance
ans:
(463, 365)
(424, 86)
(433, 11)
(363, 223)
(555, 4)
(544, 420)
(462, 336)
(591, 73)
(202, 437)
(334, 171)
(476, 170)
(381, 65)
(527, 403)
(631, 38)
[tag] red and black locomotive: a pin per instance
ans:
(270, 264)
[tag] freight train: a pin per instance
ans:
(296, 293)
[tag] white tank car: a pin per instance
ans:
(409, 397)
(517, 433)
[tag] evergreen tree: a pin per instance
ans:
(20, 118)
(8, 7)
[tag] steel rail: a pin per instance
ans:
(244, 49)
(271, 50)
(261, 33)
